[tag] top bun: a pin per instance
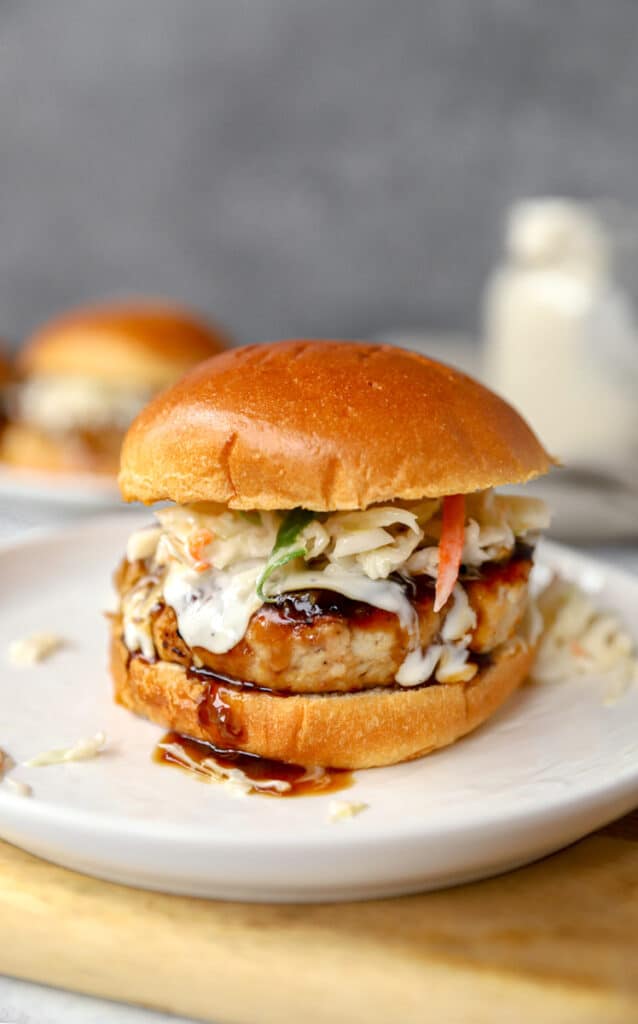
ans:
(5, 369)
(326, 425)
(143, 342)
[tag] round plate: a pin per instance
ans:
(76, 490)
(554, 764)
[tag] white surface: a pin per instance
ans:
(466, 812)
(67, 490)
(20, 517)
(25, 1003)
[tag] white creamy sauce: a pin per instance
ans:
(453, 666)
(60, 404)
(418, 665)
(213, 588)
(385, 594)
(461, 618)
(137, 606)
(213, 608)
(448, 663)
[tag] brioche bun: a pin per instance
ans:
(326, 425)
(353, 730)
(6, 372)
(144, 343)
(27, 447)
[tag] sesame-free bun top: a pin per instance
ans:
(5, 368)
(325, 425)
(142, 342)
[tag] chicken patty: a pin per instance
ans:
(320, 642)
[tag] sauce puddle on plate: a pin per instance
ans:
(248, 772)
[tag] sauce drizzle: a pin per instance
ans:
(289, 779)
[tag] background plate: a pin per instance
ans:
(75, 490)
(554, 764)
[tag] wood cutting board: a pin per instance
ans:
(556, 942)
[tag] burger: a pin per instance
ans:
(6, 375)
(335, 582)
(84, 376)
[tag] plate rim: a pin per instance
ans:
(80, 489)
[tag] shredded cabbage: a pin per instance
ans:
(205, 550)
(580, 639)
(234, 538)
(374, 542)
(377, 541)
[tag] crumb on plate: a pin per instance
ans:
(18, 787)
(83, 750)
(342, 810)
(7, 764)
(34, 648)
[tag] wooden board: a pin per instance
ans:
(556, 942)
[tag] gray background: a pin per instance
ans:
(297, 166)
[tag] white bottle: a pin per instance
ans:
(560, 337)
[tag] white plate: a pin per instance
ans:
(73, 490)
(554, 764)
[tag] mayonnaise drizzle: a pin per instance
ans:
(447, 661)
(137, 606)
(212, 588)
(214, 608)
(58, 403)
(386, 594)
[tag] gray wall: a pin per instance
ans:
(297, 166)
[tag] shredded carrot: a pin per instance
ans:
(450, 547)
(197, 544)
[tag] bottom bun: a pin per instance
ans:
(25, 446)
(352, 730)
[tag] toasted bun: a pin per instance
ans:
(144, 343)
(24, 446)
(5, 369)
(327, 426)
(354, 730)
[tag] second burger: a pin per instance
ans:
(84, 376)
